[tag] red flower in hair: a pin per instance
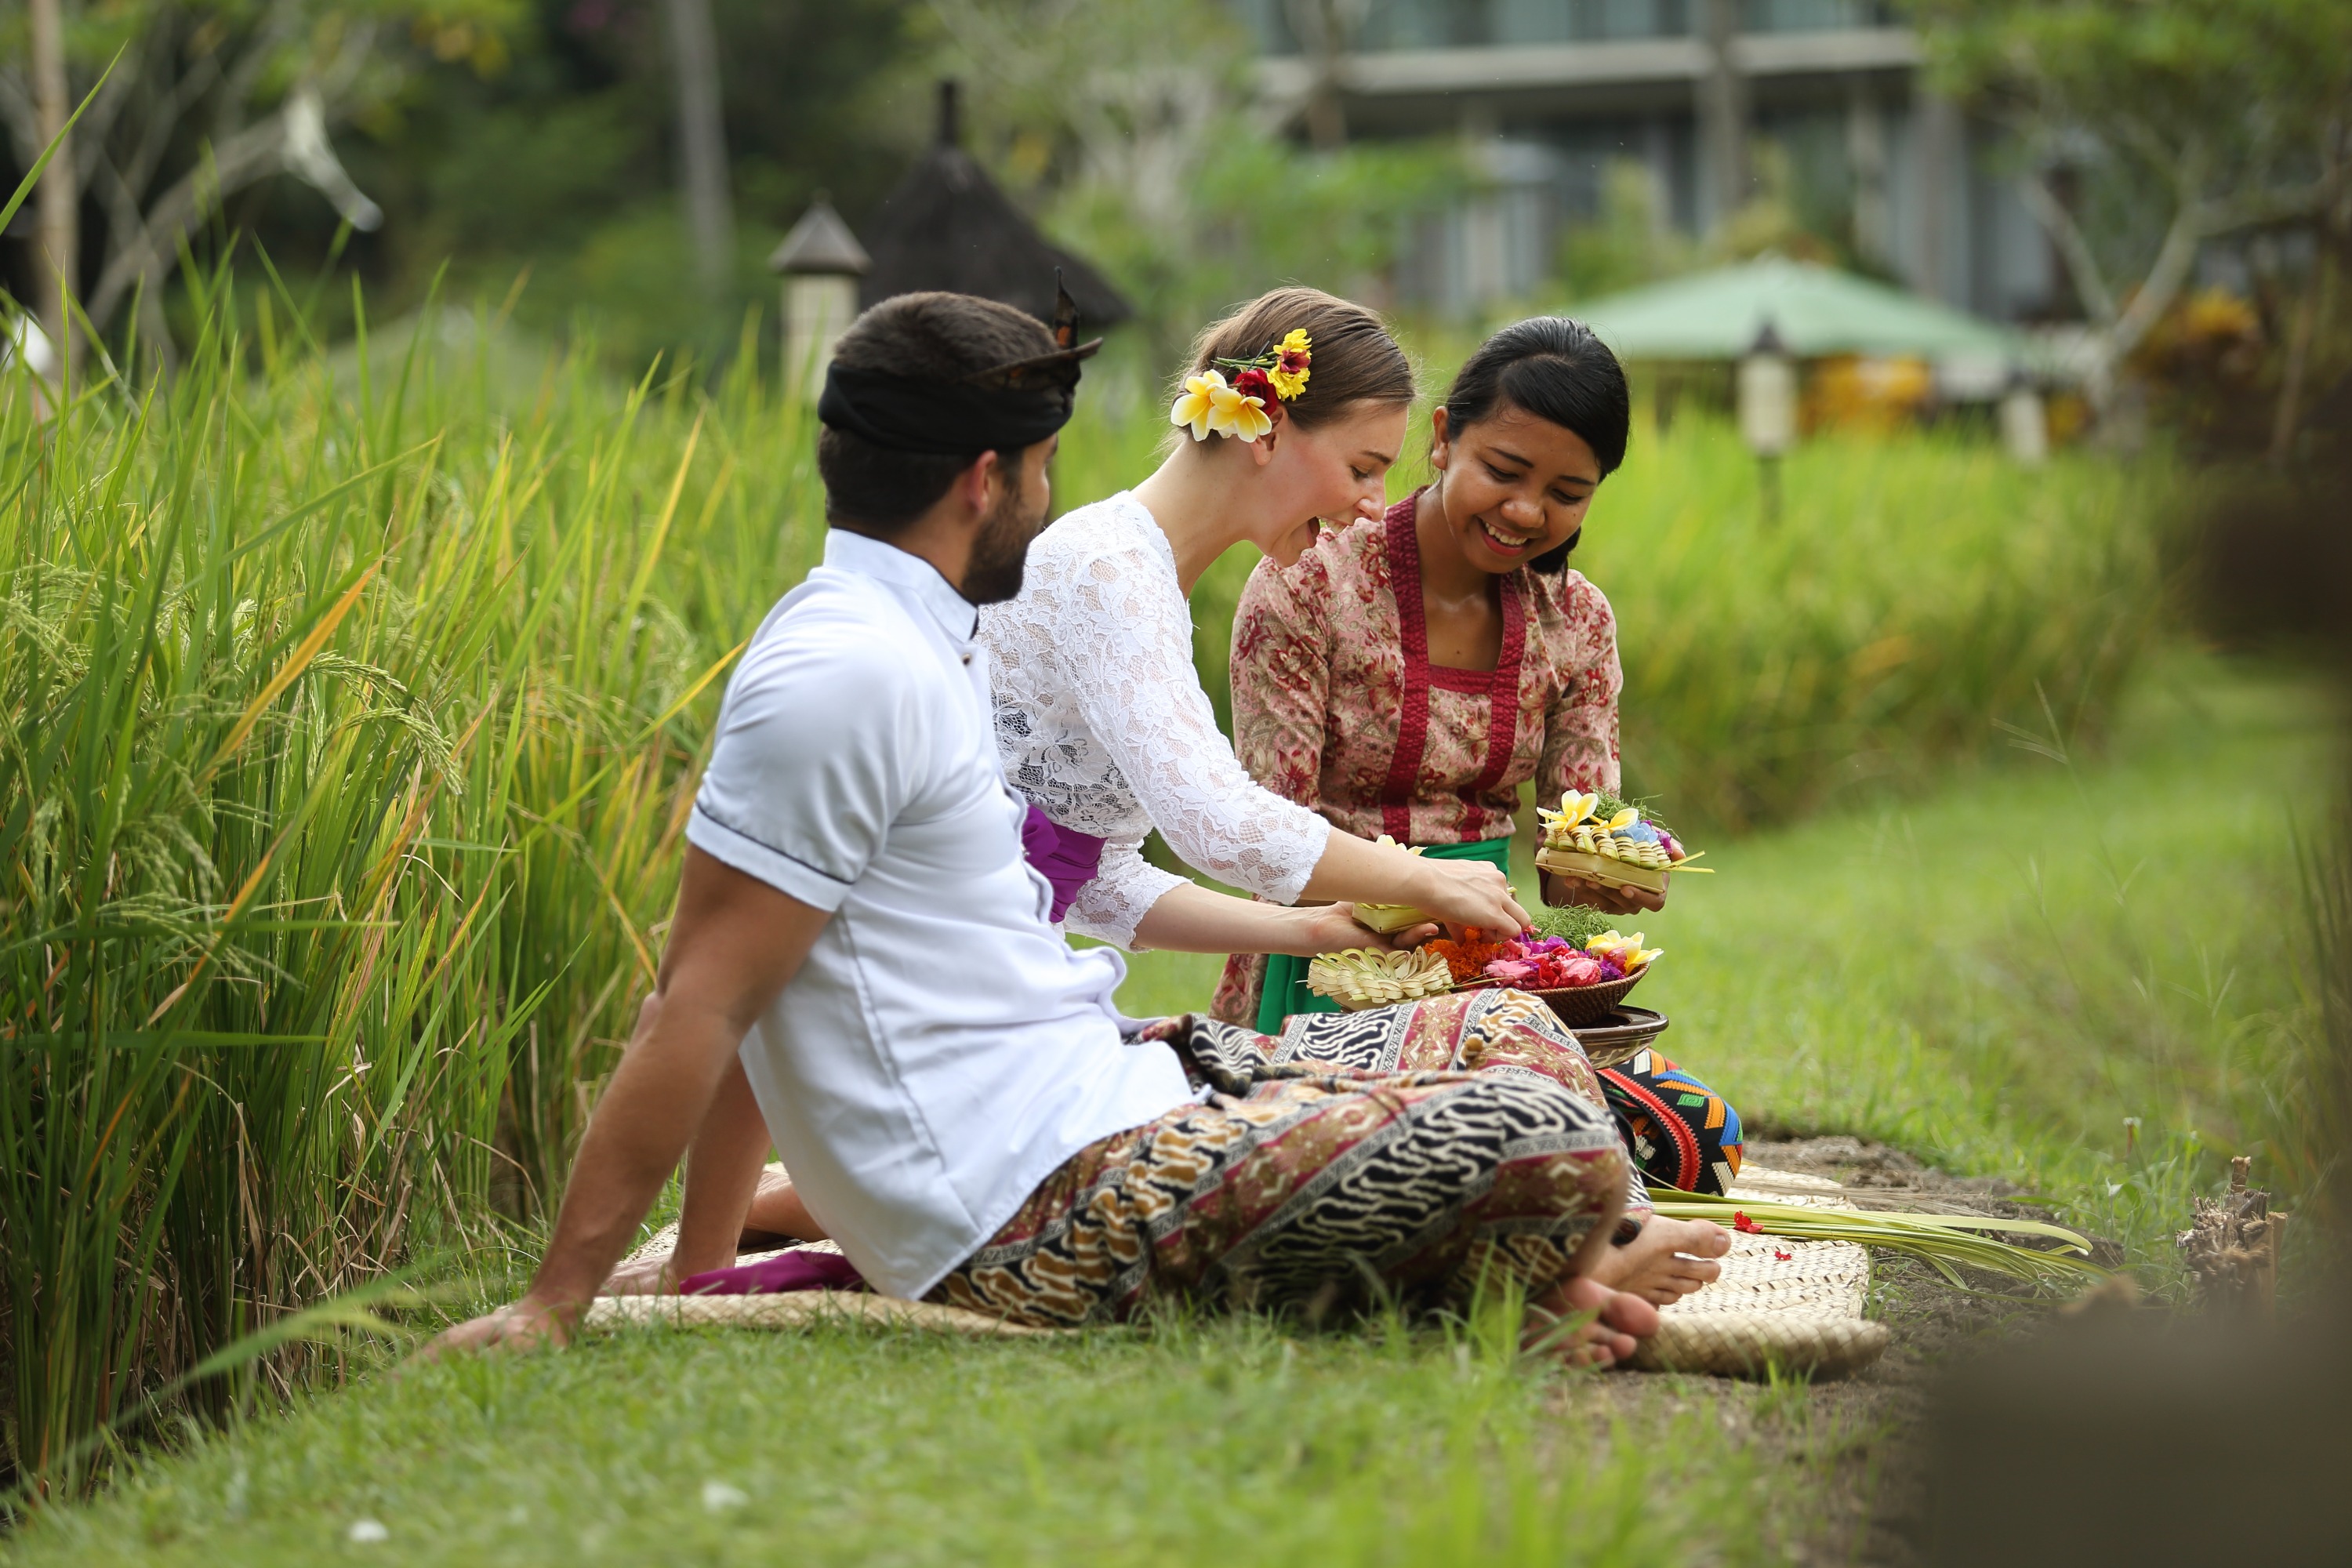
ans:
(1254, 384)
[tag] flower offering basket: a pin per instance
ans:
(1598, 869)
(1388, 919)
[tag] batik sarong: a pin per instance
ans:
(1407, 1154)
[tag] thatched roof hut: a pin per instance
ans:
(947, 225)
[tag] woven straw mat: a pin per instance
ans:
(1793, 1304)
(1800, 1312)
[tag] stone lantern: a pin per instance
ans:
(2024, 421)
(1768, 409)
(1768, 395)
(821, 262)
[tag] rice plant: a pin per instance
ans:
(348, 748)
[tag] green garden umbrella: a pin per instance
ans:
(1812, 310)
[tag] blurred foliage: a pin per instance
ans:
(564, 161)
(2148, 129)
(193, 108)
(1132, 129)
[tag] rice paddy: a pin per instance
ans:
(355, 702)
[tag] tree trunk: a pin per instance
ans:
(2289, 414)
(1723, 108)
(59, 229)
(1322, 33)
(702, 144)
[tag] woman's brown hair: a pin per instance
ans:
(1355, 359)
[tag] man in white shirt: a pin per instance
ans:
(861, 968)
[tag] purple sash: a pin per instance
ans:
(1063, 856)
(774, 1275)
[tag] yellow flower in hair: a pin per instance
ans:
(1291, 360)
(1197, 405)
(1248, 420)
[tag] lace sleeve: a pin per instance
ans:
(1120, 894)
(1127, 628)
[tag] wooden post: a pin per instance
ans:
(2232, 1248)
(59, 229)
(702, 145)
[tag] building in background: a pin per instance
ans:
(1551, 95)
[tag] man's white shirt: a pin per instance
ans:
(943, 1050)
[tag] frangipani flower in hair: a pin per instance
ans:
(1247, 408)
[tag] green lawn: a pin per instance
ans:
(1994, 976)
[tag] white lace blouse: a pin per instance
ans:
(1102, 723)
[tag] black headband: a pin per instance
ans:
(1001, 409)
(947, 418)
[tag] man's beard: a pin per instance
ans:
(999, 555)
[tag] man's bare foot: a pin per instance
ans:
(1670, 1259)
(651, 1276)
(1619, 1320)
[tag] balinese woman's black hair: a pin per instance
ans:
(1555, 369)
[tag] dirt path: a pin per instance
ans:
(1842, 1459)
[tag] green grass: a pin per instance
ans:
(1997, 973)
(1891, 970)
(1224, 1441)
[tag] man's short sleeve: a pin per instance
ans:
(818, 751)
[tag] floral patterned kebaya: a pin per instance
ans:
(1337, 707)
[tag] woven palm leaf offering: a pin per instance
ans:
(1574, 960)
(1388, 918)
(1946, 1243)
(1365, 977)
(1600, 838)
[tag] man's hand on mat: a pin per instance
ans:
(1670, 1259)
(1615, 1323)
(523, 1325)
(1603, 896)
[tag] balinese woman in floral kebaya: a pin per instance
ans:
(1407, 676)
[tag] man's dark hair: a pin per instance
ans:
(949, 336)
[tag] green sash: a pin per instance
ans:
(1285, 974)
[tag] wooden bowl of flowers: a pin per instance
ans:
(1583, 973)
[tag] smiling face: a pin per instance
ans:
(1332, 474)
(1512, 486)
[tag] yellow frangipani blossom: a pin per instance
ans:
(1573, 808)
(1625, 819)
(1627, 951)
(1197, 405)
(1246, 420)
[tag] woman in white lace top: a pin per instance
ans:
(1100, 718)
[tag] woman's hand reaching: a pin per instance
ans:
(1333, 928)
(1467, 893)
